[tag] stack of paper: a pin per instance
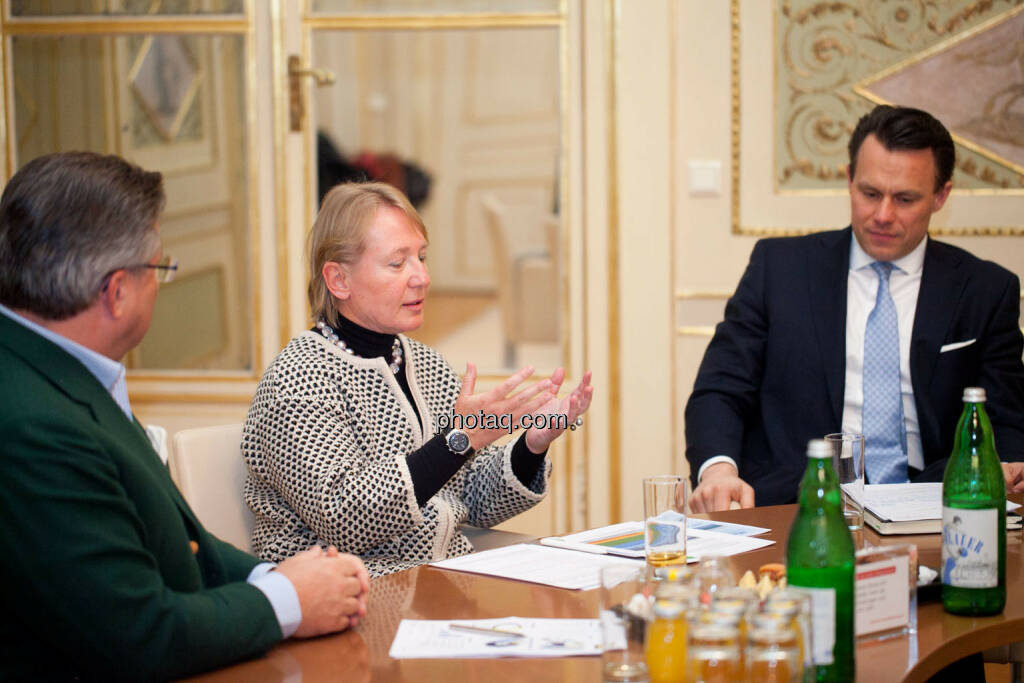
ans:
(906, 508)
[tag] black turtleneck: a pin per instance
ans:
(432, 464)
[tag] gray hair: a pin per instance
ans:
(69, 220)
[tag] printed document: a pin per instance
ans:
(492, 638)
(537, 564)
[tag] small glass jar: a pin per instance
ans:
(773, 653)
(713, 652)
(666, 637)
(795, 606)
(713, 574)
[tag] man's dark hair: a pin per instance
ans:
(68, 220)
(902, 128)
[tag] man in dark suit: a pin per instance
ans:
(107, 573)
(874, 329)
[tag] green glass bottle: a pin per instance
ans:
(974, 517)
(820, 561)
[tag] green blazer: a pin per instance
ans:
(99, 579)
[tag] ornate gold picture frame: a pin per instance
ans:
(804, 71)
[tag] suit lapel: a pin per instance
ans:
(942, 282)
(67, 374)
(828, 263)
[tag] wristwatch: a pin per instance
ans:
(458, 442)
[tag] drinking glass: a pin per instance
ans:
(624, 612)
(665, 520)
(848, 463)
(713, 574)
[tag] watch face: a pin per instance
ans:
(458, 441)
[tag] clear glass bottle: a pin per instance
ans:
(974, 517)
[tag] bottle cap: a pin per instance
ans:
(818, 449)
(974, 395)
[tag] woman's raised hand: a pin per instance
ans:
(538, 438)
(498, 411)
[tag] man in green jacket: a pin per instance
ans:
(107, 573)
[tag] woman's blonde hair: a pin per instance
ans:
(339, 234)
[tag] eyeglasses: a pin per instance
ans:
(165, 269)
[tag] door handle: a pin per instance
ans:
(322, 77)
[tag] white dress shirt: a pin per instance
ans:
(861, 290)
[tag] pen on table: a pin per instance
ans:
(486, 630)
(556, 542)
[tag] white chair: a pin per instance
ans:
(207, 466)
(527, 282)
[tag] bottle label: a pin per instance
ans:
(823, 622)
(970, 547)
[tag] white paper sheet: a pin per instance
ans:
(435, 639)
(537, 564)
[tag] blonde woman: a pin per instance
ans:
(341, 439)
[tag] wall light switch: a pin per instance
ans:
(705, 178)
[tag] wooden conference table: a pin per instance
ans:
(430, 593)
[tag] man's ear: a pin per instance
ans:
(941, 196)
(114, 295)
(336, 279)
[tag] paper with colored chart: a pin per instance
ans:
(703, 537)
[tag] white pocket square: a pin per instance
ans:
(957, 345)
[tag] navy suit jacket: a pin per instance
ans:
(773, 376)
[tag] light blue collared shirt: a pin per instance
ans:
(111, 375)
(108, 372)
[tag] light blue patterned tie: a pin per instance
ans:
(885, 434)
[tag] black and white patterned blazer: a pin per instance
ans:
(326, 440)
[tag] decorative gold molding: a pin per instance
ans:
(232, 376)
(419, 22)
(128, 25)
(696, 331)
(278, 75)
(613, 17)
(734, 110)
(255, 229)
(695, 294)
(861, 87)
(767, 231)
(197, 210)
(673, 160)
(7, 111)
(109, 27)
(563, 244)
(309, 143)
(209, 398)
